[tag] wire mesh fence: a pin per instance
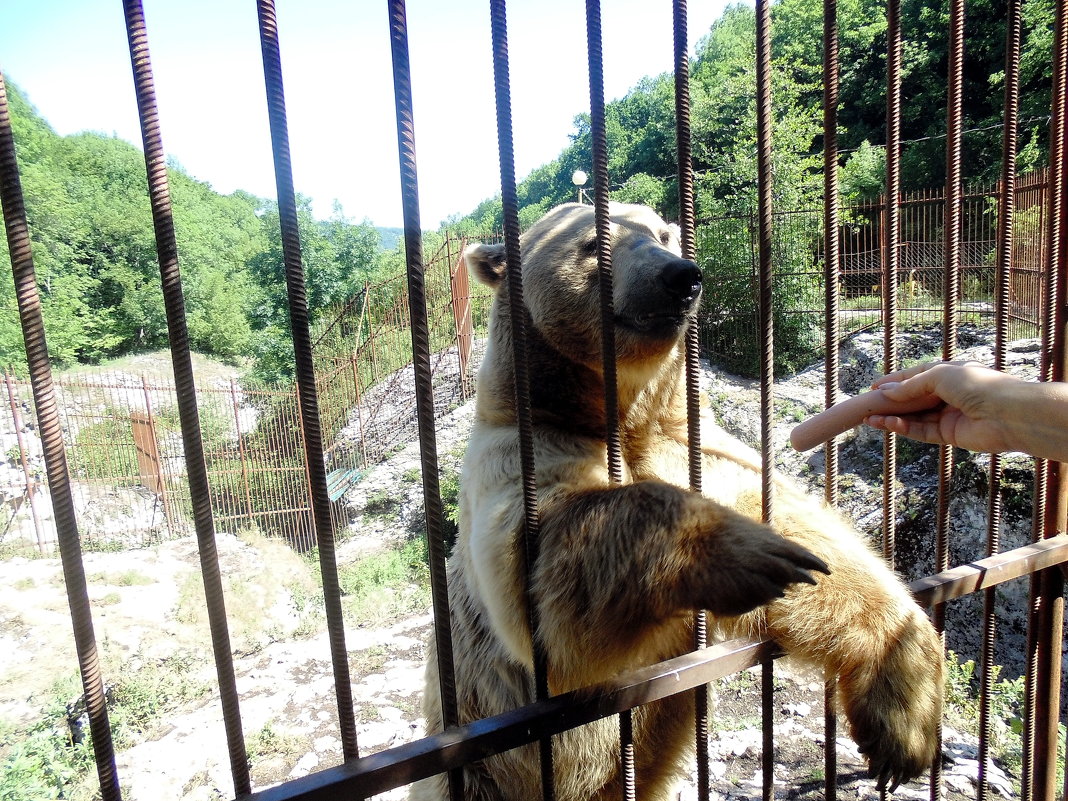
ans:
(727, 250)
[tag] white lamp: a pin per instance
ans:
(579, 178)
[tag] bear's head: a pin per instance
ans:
(655, 292)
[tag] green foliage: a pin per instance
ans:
(1006, 701)
(43, 761)
(53, 757)
(383, 585)
(863, 176)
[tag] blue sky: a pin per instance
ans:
(70, 58)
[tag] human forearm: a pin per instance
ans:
(1034, 418)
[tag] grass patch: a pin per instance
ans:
(124, 578)
(1006, 714)
(43, 760)
(270, 741)
(53, 757)
(386, 585)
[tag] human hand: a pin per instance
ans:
(967, 405)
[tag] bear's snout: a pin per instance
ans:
(681, 278)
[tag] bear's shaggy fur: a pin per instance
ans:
(620, 568)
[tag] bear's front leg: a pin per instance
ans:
(862, 624)
(620, 565)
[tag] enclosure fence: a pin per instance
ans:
(466, 742)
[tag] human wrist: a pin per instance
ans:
(1033, 417)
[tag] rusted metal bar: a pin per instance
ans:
(991, 571)
(683, 141)
(832, 262)
(599, 146)
(767, 344)
(764, 255)
(51, 433)
(196, 470)
(832, 267)
(517, 318)
(305, 374)
(951, 231)
(1002, 300)
(424, 390)
(891, 236)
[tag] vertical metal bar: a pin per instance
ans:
(1040, 720)
(305, 372)
(599, 142)
(764, 245)
(832, 262)
(517, 318)
(767, 340)
(174, 303)
(832, 268)
(767, 730)
(950, 300)
(48, 423)
(424, 390)
(1003, 272)
(683, 140)
(891, 255)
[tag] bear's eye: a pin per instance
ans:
(665, 238)
(589, 247)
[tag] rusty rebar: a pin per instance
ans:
(599, 146)
(193, 445)
(305, 373)
(764, 253)
(518, 319)
(891, 236)
(767, 340)
(684, 146)
(424, 389)
(602, 223)
(51, 434)
(831, 276)
(1002, 300)
(832, 261)
(1042, 685)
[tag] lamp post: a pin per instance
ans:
(579, 179)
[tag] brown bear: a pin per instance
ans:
(621, 567)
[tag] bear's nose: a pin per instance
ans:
(681, 277)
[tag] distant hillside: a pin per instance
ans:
(389, 238)
(94, 251)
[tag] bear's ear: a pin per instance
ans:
(486, 262)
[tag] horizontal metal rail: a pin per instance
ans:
(462, 745)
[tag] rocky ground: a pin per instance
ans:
(148, 614)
